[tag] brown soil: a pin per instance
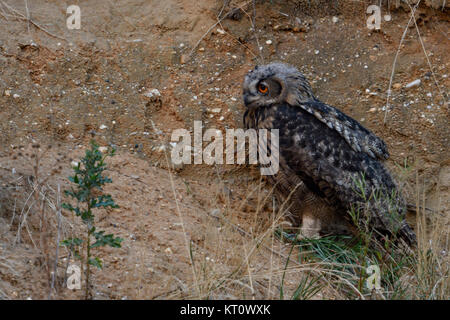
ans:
(61, 87)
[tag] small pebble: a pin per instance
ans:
(184, 58)
(414, 83)
(152, 93)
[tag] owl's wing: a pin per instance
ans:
(331, 168)
(358, 137)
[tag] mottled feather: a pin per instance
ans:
(335, 157)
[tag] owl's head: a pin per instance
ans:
(275, 83)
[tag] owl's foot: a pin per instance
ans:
(310, 228)
(303, 235)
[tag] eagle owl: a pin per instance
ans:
(330, 166)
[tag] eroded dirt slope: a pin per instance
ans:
(62, 87)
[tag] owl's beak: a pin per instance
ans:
(246, 100)
(249, 101)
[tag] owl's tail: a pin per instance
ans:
(407, 234)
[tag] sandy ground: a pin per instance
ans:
(62, 87)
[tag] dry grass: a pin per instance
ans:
(329, 268)
(36, 216)
(247, 252)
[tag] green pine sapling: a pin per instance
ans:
(88, 180)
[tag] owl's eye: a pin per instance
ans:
(263, 88)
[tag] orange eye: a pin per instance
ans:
(263, 88)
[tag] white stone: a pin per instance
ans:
(152, 93)
(414, 83)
